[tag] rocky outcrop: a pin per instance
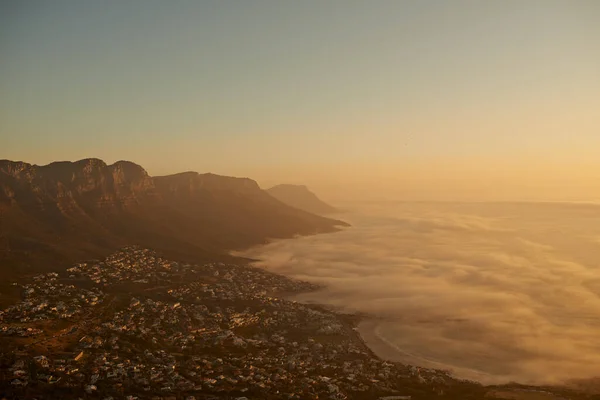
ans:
(85, 180)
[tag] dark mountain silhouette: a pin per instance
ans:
(300, 197)
(68, 211)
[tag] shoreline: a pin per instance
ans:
(384, 349)
(377, 375)
(364, 328)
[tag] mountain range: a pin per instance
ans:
(301, 197)
(68, 211)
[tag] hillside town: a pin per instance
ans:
(138, 326)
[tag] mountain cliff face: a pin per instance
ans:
(71, 210)
(300, 197)
(89, 179)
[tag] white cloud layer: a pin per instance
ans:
(494, 292)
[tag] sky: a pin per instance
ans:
(385, 99)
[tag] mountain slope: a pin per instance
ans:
(236, 209)
(67, 211)
(300, 197)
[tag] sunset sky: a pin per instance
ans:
(428, 100)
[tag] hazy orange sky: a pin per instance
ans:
(457, 100)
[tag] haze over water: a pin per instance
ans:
(495, 292)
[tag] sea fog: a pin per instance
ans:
(494, 292)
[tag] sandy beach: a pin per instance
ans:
(370, 332)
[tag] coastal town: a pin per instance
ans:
(138, 326)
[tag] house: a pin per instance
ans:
(79, 356)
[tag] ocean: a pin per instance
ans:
(493, 292)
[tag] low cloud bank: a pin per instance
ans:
(494, 292)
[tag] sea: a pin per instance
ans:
(492, 292)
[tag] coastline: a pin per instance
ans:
(364, 328)
(368, 329)
(317, 339)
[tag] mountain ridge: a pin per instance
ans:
(72, 210)
(300, 197)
